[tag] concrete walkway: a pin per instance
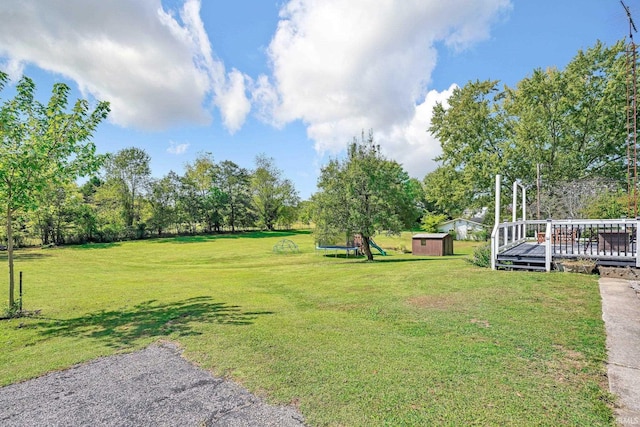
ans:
(621, 315)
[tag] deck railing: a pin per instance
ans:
(602, 239)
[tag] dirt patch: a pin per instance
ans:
(341, 307)
(572, 359)
(569, 366)
(481, 322)
(438, 302)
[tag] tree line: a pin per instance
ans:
(125, 202)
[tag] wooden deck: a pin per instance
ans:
(531, 255)
(538, 245)
(532, 250)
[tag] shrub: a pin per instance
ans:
(431, 221)
(482, 256)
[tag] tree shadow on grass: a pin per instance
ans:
(96, 245)
(378, 258)
(24, 256)
(393, 260)
(343, 256)
(121, 328)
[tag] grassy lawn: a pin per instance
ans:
(401, 341)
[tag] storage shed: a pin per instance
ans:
(432, 244)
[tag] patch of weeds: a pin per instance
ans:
(403, 249)
(14, 310)
(579, 265)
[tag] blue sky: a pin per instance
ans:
(294, 79)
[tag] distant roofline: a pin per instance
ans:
(463, 219)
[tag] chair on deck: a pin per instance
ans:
(564, 235)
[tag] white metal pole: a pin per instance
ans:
(538, 191)
(496, 218)
(514, 211)
(524, 203)
(495, 238)
(524, 212)
(547, 246)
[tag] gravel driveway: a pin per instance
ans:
(155, 386)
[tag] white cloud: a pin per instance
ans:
(175, 148)
(13, 67)
(233, 103)
(265, 100)
(342, 66)
(411, 143)
(155, 66)
(337, 66)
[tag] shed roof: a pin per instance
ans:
(430, 235)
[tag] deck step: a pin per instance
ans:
(530, 260)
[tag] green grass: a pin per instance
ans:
(401, 341)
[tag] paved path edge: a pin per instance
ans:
(621, 315)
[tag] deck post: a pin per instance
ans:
(505, 234)
(547, 247)
(494, 249)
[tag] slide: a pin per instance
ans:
(373, 244)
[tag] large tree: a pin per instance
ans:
(202, 178)
(447, 191)
(235, 183)
(271, 193)
(474, 135)
(42, 144)
(129, 169)
(162, 200)
(58, 219)
(363, 194)
(571, 122)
